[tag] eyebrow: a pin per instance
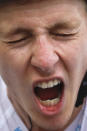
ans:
(65, 25)
(56, 26)
(19, 30)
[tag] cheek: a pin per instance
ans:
(13, 64)
(15, 60)
(71, 55)
(74, 59)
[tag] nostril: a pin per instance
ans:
(45, 62)
(44, 71)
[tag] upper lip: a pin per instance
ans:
(46, 80)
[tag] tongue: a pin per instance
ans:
(49, 93)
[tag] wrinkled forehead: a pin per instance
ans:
(6, 3)
(21, 5)
(14, 6)
(41, 7)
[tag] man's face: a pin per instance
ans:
(43, 57)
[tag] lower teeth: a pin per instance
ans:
(50, 102)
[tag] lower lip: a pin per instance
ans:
(51, 110)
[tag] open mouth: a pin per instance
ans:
(49, 93)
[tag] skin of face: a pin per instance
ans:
(41, 41)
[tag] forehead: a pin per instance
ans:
(41, 11)
(39, 4)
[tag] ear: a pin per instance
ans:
(82, 91)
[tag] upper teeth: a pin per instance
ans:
(49, 84)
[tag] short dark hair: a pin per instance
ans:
(4, 2)
(8, 1)
(86, 1)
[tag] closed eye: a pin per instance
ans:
(17, 41)
(63, 34)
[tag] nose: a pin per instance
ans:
(44, 56)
